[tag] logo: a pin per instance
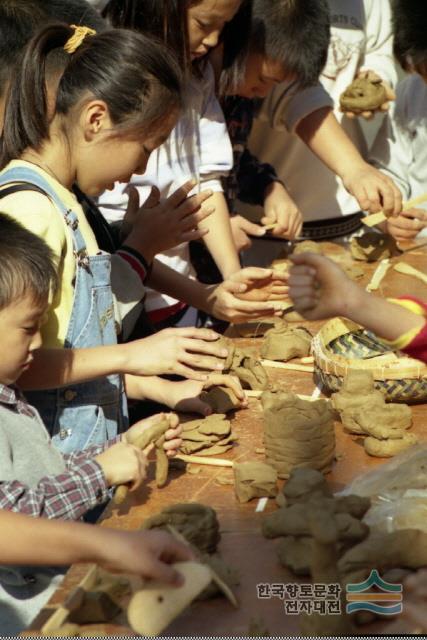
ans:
(362, 597)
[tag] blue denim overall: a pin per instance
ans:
(89, 413)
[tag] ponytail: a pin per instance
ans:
(137, 77)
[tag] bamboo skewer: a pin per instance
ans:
(377, 218)
(214, 462)
(289, 366)
(407, 270)
(379, 275)
(255, 393)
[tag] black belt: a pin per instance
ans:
(331, 227)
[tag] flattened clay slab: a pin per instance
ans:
(283, 343)
(198, 523)
(297, 433)
(307, 246)
(389, 448)
(294, 553)
(373, 246)
(382, 422)
(212, 435)
(363, 95)
(254, 480)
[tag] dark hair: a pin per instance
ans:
(27, 265)
(20, 19)
(295, 33)
(163, 19)
(137, 77)
(410, 28)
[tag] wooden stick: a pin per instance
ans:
(307, 360)
(289, 366)
(214, 462)
(407, 270)
(254, 393)
(377, 218)
(379, 275)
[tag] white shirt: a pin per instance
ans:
(199, 147)
(361, 39)
(400, 149)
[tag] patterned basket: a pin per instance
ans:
(342, 345)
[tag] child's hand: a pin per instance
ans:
(373, 190)
(175, 351)
(281, 210)
(224, 301)
(319, 289)
(390, 95)
(173, 439)
(124, 463)
(144, 553)
(242, 228)
(407, 225)
(185, 396)
(159, 226)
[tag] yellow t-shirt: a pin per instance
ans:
(38, 214)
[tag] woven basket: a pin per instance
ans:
(342, 345)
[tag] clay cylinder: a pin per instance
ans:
(297, 433)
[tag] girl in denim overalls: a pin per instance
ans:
(84, 108)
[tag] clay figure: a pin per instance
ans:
(254, 480)
(363, 95)
(250, 372)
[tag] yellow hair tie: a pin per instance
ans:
(77, 38)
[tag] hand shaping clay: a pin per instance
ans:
(250, 372)
(373, 246)
(284, 343)
(196, 522)
(363, 95)
(220, 399)
(297, 433)
(363, 411)
(212, 435)
(307, 246)
(254, 480)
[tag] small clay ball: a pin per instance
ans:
(363, 95)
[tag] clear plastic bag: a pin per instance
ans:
(398, 490)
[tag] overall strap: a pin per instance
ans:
(29, 179)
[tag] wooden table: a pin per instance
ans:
(241, 541)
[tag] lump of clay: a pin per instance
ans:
(363, 411)
(283, 343)
(228, 574)
(254, 480)
(297, 433)
(307, 246)
(373, 246)
(255, 329)
(221, 399)
(250, 372)
(304, 485)
(196, 522)
(294, 552)
(212, 435)
(363, 95)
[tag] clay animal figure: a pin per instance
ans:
(284, 343)
(297, 433)
(363, 411)
(250, 372)
(254, 480)
(363, 95)
(373, 246)
(220, 399)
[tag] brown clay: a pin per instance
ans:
(353, 271)
(212, 435)
(254, 480)
(221, 399)
(198, 524)
(363, 95)
(373, 246)
(250, 372)
(304, 485)
(297, 433)
(389, 448)
(285, 343)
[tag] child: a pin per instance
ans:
(35, 479)
(198, 146)
(276, 31)
(319, 289)
(82, 313)
(399, 150)
(332, 188)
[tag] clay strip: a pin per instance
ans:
(287, 365)
(377, 218)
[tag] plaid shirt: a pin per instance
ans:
(66, 496)
(249, 177)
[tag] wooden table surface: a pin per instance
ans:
(242, 544)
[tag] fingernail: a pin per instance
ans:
(219, 366)
(224, 353)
